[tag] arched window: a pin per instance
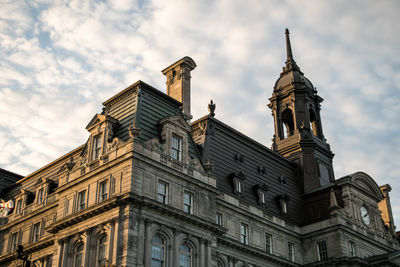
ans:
(78, 255)
(313, 122)
(157, 251)
(287, 120)
(101, 251)
(185, 256)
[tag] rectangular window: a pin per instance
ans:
(36, 232)
(322, 251)
(162, 192)
(352, 246)
(13, 243)
(291, 252)
(81, 200)
(103, 190)
(284, 207)
(244, 233)
(40, 196)
(18, 208)
(176, 148)
(96, 147)
(238, 186)
(261, 196)
(219, 219)
(188, 203)
(66, 207)
(268, 243)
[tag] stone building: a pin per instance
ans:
(149, 188)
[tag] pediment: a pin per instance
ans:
(98, 119)
(364, 181)
(176, 120)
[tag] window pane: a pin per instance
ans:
(185, 256)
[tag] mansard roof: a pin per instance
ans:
(233, 152)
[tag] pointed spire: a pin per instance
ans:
(288, 47)
(290, 63)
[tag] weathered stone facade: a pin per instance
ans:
(150, 189)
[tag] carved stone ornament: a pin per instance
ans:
(211, 108)
(134, 132)
(208, 166)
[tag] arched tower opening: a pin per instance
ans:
(287, 122)
(313, 122)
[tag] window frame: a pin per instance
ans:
(185, 254)
(291, 252)
(103, 185)
(178, 148)
(218, 219)
(188, 207)
(14, 241)
(36, 232)
(244, 233)
(162, 246)
(79, 253)
(79, 203)
(268, 243)
(162, 198)
(18, 207)
(101, 261)
(40, 195)
(352, 247)
(322, 250)
(96, 146)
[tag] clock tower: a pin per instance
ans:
(298, 136)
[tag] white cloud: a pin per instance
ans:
(60, 59)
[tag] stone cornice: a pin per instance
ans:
(174, 212)
(84, 214)
(29, 248)
(232, 243)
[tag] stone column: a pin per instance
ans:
(87, 247)
(202, 253)
(64, 262)
(208, 252)
(114, 257)
(175, 249)
(147, 244)
(110, 242)
(60, 252)
(141, 239)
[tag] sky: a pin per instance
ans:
(59, 60)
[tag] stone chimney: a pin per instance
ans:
(178, 82)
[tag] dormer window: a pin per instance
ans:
(283, 203)
(261, 197)
(261, 192)
(238, 186)
(238, 182)
(96, 147)
(18, 207)
(176, 148)
(284, 206)
(40, 196)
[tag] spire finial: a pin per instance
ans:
(288, 47)
(290, 63)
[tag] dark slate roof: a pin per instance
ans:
(8, 178)
(152, 106)
(223, 145)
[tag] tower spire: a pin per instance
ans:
(288, 47)
(290, 63)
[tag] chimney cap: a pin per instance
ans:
(184, 61)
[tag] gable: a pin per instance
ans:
(367, 184)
